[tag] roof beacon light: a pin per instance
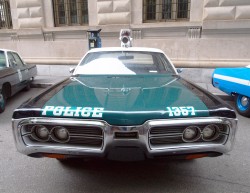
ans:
(125, 37)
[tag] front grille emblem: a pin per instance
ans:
(125, 91)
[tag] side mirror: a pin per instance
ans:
(71, 70)
(179, 70)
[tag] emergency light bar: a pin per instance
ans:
(125, 37)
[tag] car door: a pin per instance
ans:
(17, 80)
(21, 65)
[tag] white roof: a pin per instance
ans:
(142, 49)
(6, 50)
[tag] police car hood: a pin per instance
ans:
(124, 99)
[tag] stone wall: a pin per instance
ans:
(226, 16)
(30, 14)
(113, 12)
(226, 10)
(217, 34)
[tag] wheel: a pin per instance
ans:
(2, 103)
(27, 88)
(242, 104)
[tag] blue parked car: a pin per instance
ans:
(235, 82)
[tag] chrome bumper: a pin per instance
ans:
(110, 141)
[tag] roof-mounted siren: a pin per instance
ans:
(125, 37)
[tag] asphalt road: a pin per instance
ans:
(21, 174)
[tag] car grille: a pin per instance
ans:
(169, 135)
(82, 136)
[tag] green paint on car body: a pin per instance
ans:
(126, 100)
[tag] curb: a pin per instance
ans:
(224, 97)
(40, 85)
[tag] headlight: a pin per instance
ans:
(191, 134)
(210, 132)
(40, 133)
(60, 134)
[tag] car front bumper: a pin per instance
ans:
(120, 141)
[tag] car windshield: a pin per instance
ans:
(124, 62)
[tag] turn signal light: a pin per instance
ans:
(195, 156)
(56, 156)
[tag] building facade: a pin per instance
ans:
(194, 33)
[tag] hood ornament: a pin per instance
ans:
(125, 91)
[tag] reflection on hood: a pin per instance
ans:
(108, 66)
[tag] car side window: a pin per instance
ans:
(12, 61)
(18, 60)
(2, 60)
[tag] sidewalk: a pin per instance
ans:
(46, 81)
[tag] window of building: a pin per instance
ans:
(70, 12)
(164, 10)
(5, 14)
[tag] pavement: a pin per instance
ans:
(46, 81)
(19, 173)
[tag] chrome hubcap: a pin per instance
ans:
(244, 101)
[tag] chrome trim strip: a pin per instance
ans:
(110, 141)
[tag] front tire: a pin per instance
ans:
(242, 104)
(27, 87)
(2, 103)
